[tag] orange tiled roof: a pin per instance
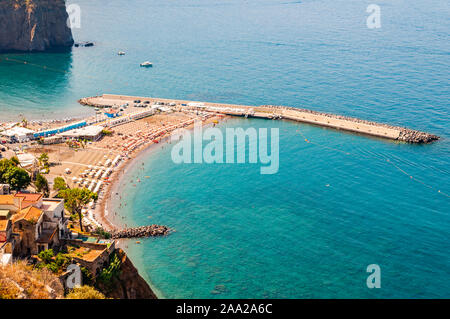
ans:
(29, 198)
(6, 199)
(4, 224)
(29, 214)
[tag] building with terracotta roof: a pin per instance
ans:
(37, 223)
(93, 256)
(30, 199)
(28, 224)
(11, 203)
(39, 229)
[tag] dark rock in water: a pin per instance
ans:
(84, 44)
(34, 25)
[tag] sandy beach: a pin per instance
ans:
(105, 206)
(99, 164)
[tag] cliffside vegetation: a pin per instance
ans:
(20, 281)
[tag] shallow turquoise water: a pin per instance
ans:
(307, 232)
(242, 234)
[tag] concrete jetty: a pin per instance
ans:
(277, 112)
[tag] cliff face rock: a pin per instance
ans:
(129, 285)
(33, 25)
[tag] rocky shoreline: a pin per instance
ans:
(140, 232)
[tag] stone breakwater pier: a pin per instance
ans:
(273, 112)
(140, 232)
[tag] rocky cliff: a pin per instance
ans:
(33, 25)
(129, 284)
(21, 281)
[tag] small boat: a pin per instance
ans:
(121, 53)
(155, 141)
(146, 64)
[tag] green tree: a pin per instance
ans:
(17, 178)
(75, 199)
(15, 161)
(107, 132)
(5, 165)
(41, 184)
(53, 263)
(112, 271)
(46, 256)
(102, 233)
(43, 161)
(62, 260)
(59, 184)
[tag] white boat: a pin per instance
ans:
(121, 53)
(146, 64)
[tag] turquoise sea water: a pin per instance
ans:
(312, 229)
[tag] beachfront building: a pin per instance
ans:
(143, 114)
(56, 139)
(90, 133)
(18, 134)
(51, 132)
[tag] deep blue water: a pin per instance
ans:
(312, 229)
